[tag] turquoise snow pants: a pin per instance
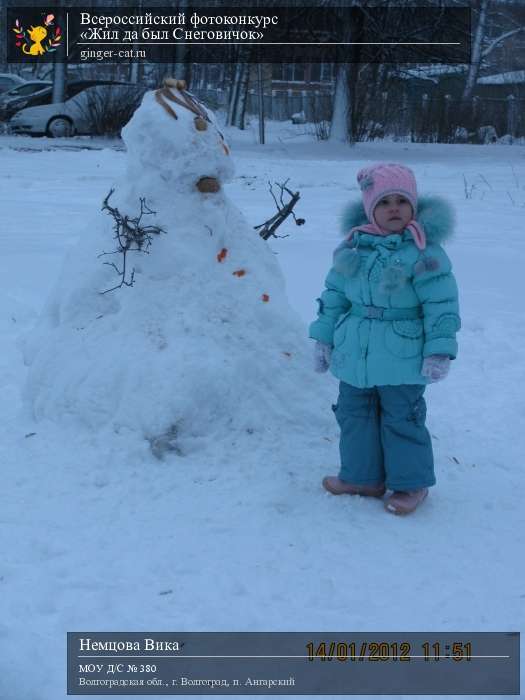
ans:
(383, 436)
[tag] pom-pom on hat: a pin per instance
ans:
(383, 179)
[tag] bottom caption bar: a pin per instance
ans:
(293, 663)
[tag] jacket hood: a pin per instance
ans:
(435, 215)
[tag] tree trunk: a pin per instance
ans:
(3, 44)
(178, 70)
(476, 51)
(234, 93)
(238, 117)
(59, 64)
(59, 81)
(340, 116)
(134, 71)
(260, 76)
(134, 68)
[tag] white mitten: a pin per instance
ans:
(322, 354)
(435, 367)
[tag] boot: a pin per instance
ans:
(334, 485)
(404, 502)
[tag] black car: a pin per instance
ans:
(35, 93)
(29, 94)
(8, 81)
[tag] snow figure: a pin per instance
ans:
(195, 338)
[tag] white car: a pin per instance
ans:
(82, 114)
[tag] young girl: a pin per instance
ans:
(386, 327)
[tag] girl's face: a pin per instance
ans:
(393, 212)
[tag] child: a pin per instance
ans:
(386, 327)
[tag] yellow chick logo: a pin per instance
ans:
(31, 40)
(36, 34)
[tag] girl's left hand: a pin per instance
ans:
(435, 367)
(322, 355)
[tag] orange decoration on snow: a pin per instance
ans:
(239, 273)
(265, 297)
(222, 254)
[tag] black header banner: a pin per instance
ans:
(236, 34)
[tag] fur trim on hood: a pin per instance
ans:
(435, 215)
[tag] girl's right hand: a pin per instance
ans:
(435, 367)
(322, 355)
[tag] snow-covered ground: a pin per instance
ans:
(99, 535)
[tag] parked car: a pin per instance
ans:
(87, 112)
(30, 93)
(9, 81)
(40, 93)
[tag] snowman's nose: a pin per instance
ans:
(208, 184)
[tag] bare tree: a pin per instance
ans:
(342, 127)
(339, 126)
(240, 108)
(239, 89)
(3, 44)
(234, 92)
(476, 51)
(134, 67)
(483, 46)
(179, 65)
(59, 62)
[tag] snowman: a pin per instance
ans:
(196, 341)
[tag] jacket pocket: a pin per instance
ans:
(405, 338)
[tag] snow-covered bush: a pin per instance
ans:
(487, 134)
(461, 135)
(298, 118)
(107, 108)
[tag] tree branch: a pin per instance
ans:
(130, 235)
(284, 209)
(499, 39)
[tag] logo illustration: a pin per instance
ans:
(36, 41)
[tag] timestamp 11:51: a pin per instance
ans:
(458, 651)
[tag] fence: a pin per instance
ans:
(438, 118)
(278, 104)
(442, 118)
(428, 118)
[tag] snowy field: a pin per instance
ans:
(100, 536)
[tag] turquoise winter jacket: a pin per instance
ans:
(387, 304)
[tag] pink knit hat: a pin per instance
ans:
(380, 180)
